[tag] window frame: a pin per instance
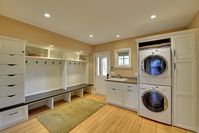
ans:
(117, 51)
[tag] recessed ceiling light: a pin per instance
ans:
(117, 36)
(51, 45)
(47, 15)
(90, 35)
(153, 16)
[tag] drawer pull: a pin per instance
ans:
(113, 89)
(129, 86)
(11, 85)
(13, 113)
(130, 90)
(11, 64)
(11, 54)
(11, 95)
(11, 75)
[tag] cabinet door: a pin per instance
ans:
(184, 46)
(130, 96)
(115, 96)
(11, 46)
(184, 81)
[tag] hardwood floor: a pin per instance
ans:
(109, 119)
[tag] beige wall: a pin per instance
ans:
(13, 28)
(195, 22)
(126, 43)
(111, 46)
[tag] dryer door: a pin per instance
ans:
(154, 101)
(154, 65)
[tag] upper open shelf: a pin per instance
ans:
(36, 51)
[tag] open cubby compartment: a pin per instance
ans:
(89, 89)
(36, 51)
(76, 73)
(83, 57)
(53, 53)
(46, 102)
(66, 97)
(71, 55)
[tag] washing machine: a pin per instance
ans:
(155, 66)
(155, 102)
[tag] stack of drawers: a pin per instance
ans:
(12, 81)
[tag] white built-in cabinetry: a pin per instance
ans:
(12, 81)
(122, 94)
(48, 68)
(185, 73)
(184, 47)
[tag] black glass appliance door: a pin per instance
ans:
(154, 65)
(154, 101)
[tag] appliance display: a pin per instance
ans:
(155, 102)
(155, 66)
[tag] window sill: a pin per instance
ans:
(122, 67)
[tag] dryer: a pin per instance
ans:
(155, 66)
(155, 102)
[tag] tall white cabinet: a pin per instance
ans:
(184, 47)
(12, 81)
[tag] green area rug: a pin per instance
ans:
(66, 117)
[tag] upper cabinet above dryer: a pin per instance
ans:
(184, 46)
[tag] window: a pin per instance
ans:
(123, 57)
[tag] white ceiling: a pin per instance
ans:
(102, 18)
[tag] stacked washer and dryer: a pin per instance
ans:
(155, 81)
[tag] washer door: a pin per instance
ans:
(154, 101)
(154, 65)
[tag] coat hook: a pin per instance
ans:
(36, 62)
(45, 62)
(26, 61)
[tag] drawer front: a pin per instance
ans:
(11, 47)
(11, 79)
(11, 100)
(13, 116)
(11, 69)
(11, 89)
(12, 59)
(113, 85)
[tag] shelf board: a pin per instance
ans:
(45, 58)
(78, 61)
